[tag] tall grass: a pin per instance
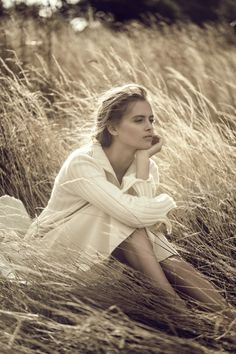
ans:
(48, 94)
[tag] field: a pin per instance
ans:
(50, 78)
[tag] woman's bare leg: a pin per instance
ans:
(186, 279)
(137, 252)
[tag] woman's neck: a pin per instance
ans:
(120, 158)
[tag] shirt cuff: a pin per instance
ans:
(168, 204)
(143, 187)
(167, 223)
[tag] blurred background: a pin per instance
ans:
(115, 13)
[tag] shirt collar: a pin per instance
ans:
(100, 156)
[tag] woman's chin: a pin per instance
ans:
(147, 143)
(144, 146)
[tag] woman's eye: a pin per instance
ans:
(140, 120)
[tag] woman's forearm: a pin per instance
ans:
(142, 166)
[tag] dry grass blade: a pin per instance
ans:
(46, 105)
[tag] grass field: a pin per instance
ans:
(50, 78)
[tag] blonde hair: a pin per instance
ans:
(112, 105)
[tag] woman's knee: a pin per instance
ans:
(136, 248)
(138, 239)
(138, 245)
(120, 251)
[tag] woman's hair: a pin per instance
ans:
(112, 105)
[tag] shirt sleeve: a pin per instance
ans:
(84, 178)
(146, 187)
(143, 187)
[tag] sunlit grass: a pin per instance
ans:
(48, 94)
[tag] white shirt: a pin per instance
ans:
(89, 211)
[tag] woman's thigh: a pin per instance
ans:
(141, 245)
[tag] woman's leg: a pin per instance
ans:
(186, 279)
(137, 252)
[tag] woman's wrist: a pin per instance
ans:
(142, 154)
(142, 166)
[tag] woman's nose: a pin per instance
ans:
(149, 126)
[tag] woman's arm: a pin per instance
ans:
(142, 169)
(84, 178)
(142, 172)
(143, 187)
(142, 165)
(142, 157)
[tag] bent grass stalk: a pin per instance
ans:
(46, 113)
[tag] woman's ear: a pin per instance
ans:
(112, 129)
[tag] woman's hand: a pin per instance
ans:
(157, 142)
(142, 157)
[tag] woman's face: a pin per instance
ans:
(135, 125)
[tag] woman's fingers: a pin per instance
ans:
(156, 139)
(157, 143)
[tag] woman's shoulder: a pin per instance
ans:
(77, 162)
(80, 157)
(84, 150)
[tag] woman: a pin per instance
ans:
(104, 200)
